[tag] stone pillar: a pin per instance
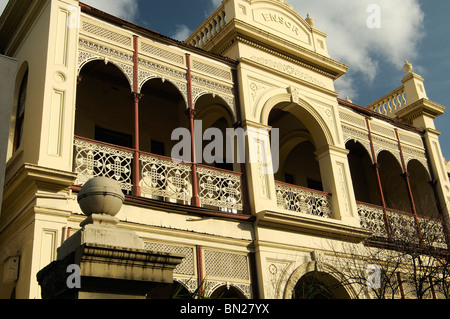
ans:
(260, 170)
(102, 261)
(439, 173)
(337, 180)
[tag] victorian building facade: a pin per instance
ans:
(95, 95)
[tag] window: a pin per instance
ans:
(289, 178)
(157, 148)
(113, 137)
(312, 184)
(224, 165)
(20, 115)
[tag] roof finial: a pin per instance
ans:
(407, 67)
(310, 20)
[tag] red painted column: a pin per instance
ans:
(380, 187)
(136, 97)
(200, 275)
(408, 186)
(195, 201)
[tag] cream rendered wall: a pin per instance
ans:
(284, 241)
(49, 48)
(8, 69)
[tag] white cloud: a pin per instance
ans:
(3, 4)
(351, 41)
(125, 9)
(182, 32)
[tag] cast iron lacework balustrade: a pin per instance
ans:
(403, 226)
(301, 200)
(372, 218)
(220, 189)
(165, 178)
(95, 160)
(433, 232)
(161, 178)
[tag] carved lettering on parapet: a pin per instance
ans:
(278, 19)
(288, 69)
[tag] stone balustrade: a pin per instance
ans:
(208, 29)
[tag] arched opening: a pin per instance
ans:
(220, 182)
(363, 175)
(227, 292)
(18, 112)
(298, 162)
(319, 285)
(217, 121)
(104, 109)
(161, 111)
(422, 190)
(393, 183)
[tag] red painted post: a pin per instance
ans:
(199, 253)
(380, 187)
(408, 186)
(195, 201)
(136, 97)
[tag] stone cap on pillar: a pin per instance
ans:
(112, 260)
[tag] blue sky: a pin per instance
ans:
(417, 30)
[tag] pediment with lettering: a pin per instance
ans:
(283, 24)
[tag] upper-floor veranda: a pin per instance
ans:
(134, 89)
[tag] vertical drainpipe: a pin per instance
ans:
(380, 187)
(190, 112)
(136, 97)
(408, 186)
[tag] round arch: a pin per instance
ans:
(213, 112)
(163, 80)
(392, 181)
(364, 178)
(162, 110)
(227, 292)
(324, 271)
(104, 89)
(208, 104)
(302, 109)
(122, 67)
(422, 190)
(289, 142)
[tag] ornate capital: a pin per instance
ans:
(137, 96)
(190, 113)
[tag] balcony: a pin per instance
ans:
(303, 200)
(403, 227)
(160, 178)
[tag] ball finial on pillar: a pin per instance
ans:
(101, 195)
